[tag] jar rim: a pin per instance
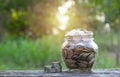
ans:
(78, 32)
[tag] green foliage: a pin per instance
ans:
(44, 17)
(14, 4)
(17, 16)
(105, 60)
(14, 16)
(18, 23)
(29, 54)
(110, 8)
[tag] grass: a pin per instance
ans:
(34, 54)
(104, 60)
(29, 54)
(105, 41)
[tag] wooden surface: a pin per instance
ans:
(41, 73)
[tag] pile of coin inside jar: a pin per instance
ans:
(79, 50)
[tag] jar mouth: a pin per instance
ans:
(79, 35)
(78, 32)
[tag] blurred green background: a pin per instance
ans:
(32, 31)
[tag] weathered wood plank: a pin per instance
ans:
(41, 73)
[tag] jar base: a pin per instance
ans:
(80, 70)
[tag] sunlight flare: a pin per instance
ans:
(63, 20)
(55, 31)
(64, 8)
(62, 27)
(61, 16)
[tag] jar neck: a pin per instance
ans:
(78, 41)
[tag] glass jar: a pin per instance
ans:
(79, 50)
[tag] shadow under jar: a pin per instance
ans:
(79, 50)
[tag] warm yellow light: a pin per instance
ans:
(64, 8)
(69, 3)
(55, 31)
(63, 19)
(62, 27)
(61, 16)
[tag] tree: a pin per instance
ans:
(110, 8)
(13, 15)
(43, 17)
